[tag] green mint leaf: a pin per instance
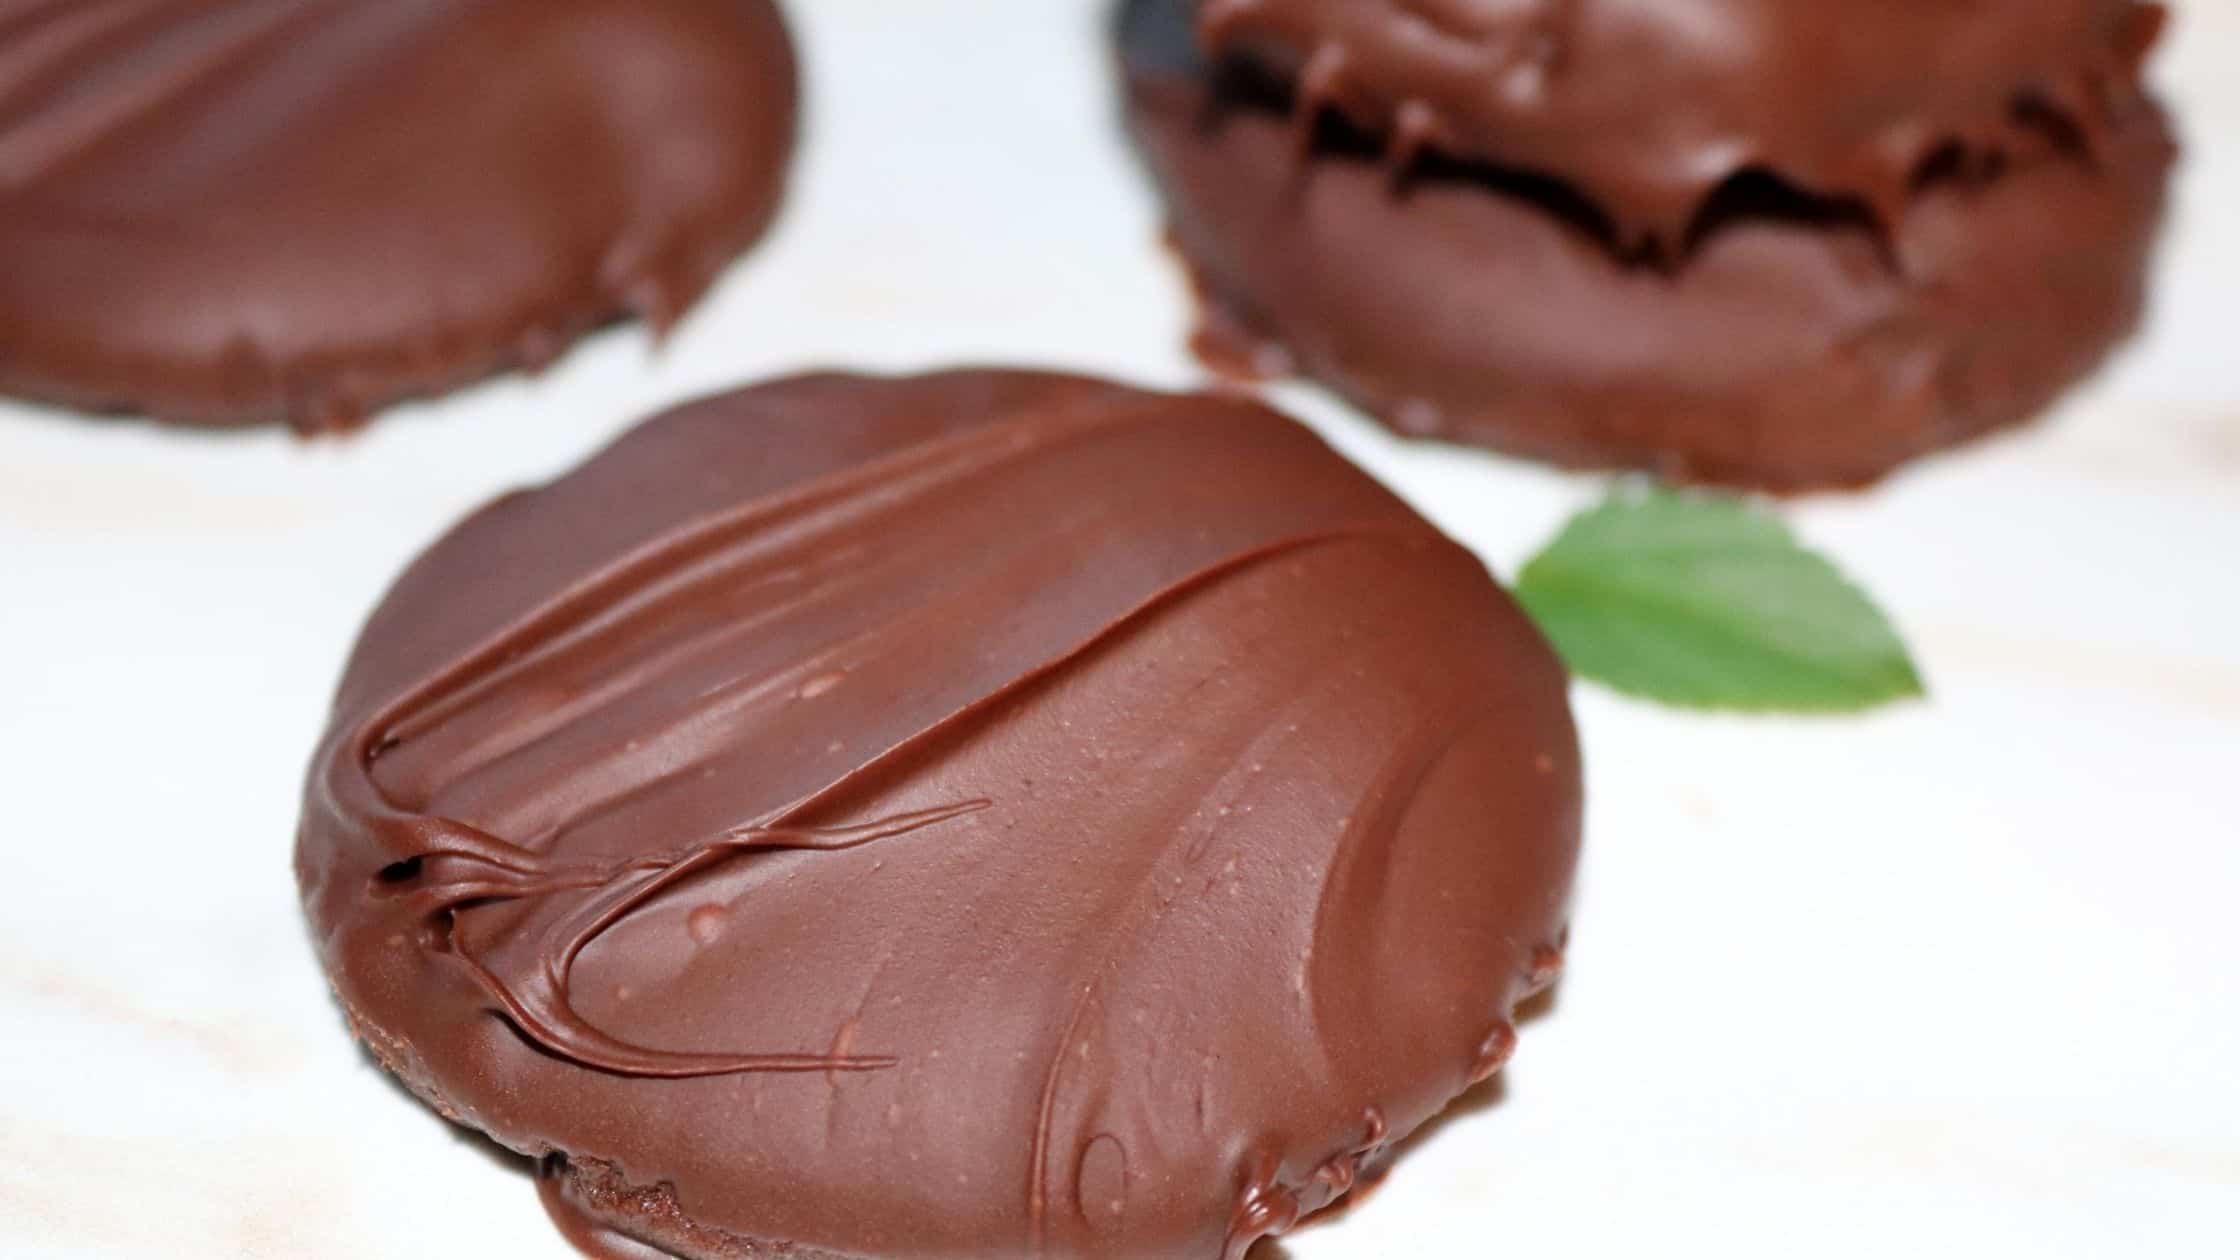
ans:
(1708, 603)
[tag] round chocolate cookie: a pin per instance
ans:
(986, 814)
(1776, 245)
(278, 210)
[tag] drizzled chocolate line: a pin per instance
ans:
(452, 866)
(480, 869)
(444, 865)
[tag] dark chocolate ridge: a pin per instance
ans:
(453, 865)
(475, 868)
(2066, 125)
(1383, 66)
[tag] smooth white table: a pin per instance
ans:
(1963, 979)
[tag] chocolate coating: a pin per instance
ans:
(987, 814)
(1648, 106)
(279, 210)
(1675, 292)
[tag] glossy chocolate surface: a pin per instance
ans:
(297, 210)
(1743, 325)
(1647, 106)
(988, 814)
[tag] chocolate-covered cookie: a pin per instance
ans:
(278, 210)
(1744, 241)
(985, 814)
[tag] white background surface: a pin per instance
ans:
(1963, 979)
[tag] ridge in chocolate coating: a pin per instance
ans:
(1648, 106)
(985, 814)
(1794, 337)
(285, 210)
